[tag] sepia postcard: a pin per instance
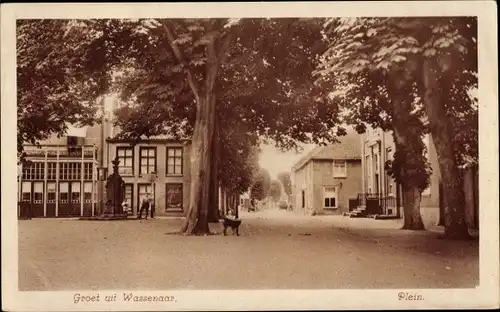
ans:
(250, 156)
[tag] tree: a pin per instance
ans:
(374, 94)
(435, 59)
(49, 95)
(247, 85)
(275, 190)
(284, 178)
(261, 186)
(447, 72)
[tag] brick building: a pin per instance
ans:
(327, 178)
(157, 166)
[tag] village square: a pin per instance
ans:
(301, 153)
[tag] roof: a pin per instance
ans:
(349, 148)
(152, 139)
(181, 137)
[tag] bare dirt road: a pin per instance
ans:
(277, 250)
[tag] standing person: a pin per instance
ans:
(153, 209)
(144, 206)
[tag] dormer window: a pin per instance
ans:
(339, 169)
(74, 145)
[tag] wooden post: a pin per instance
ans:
(363, 164)
(82, 172)
(93, 180)
(20, 191)
(57, 181)
(45, 172)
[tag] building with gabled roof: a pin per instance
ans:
(328, 177)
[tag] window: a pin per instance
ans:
(339, 168)
(51, 171)
(87, 192)
(390, 183)
(368, 174)
(330, 197)
(174, 197)
(38, 192)
(143, 190)
(148, 160)
(63, 171)
(126, 157)
(75, 192)
(70, 171)
(51, 192)
(64, 192)
(26, 192)
(34, 171)
(375, 163)
(87, 171)
(174, 160)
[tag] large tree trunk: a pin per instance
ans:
(398, 200)
(202, 147)
(411, 208)
(411, 193)
(404, 139)
(201, 154)
(442, 135)
(213, 205)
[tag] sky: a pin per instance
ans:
(275, 161)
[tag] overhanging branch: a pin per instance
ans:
(178, 55)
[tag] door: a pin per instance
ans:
(303, 199)
(38, 199)
(51, 199)
(25, 209)
(129, 196)
(143, 191)
(69, 199)
(87, 199)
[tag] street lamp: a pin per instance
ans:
(151, 179)
(102, 172)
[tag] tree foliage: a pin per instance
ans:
(261, 185)
(63, 68)
(275, 190)
(360, 72)
(263, 85)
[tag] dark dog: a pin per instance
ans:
(234, 224)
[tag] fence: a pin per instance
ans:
(375, 203)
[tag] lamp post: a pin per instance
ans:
(152, 179)
(19, 184)
(102, 173)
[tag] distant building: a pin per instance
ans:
(327, 178)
